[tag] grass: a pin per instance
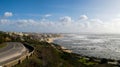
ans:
(86, 62)
(2, 45)
(47, 56)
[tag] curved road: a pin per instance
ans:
(11, 52)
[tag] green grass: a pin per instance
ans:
(86, 62)
(47, 56)
(2, 45)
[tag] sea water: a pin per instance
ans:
(92, 45)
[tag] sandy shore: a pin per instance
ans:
(66, 50)
(50, 40)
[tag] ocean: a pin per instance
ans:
(92, 45)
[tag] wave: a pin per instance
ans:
(102, 46)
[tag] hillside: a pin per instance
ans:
(49, 54)
(46, 55)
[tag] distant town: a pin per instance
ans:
(33, 36)
(39, 50)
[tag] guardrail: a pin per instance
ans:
(22, 57)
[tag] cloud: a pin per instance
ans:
(4, 21)
(8, 14)
(65, 25)
(66, 19)
(26, 22)
(47, 15)
(83, 17)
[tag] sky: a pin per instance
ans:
(60, 16)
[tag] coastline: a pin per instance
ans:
(99, 60)
(50, 40)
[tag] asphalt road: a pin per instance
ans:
(12, 51)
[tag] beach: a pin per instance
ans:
(51, 40)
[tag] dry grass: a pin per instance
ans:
(2, 45)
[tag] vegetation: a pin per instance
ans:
(4, 37)
(86, 62)
(46, 55)
(2, 45)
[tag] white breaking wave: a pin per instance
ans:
(98, 45)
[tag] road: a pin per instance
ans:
(12, 51)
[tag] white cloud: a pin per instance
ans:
(48, 15)
(83, 17)
(26, 22)
(4, 21)
(66, 24)
(66, 19)
(8, 14)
